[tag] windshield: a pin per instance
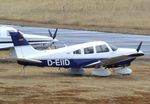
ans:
(114, 48)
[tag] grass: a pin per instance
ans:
(103, 15)
(50, 85)
(43, 85)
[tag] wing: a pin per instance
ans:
(123, 60)
(117, 61)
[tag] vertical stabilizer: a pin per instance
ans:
(21, 46)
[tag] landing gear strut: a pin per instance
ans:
(76, 71)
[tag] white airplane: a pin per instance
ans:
(36, 40)
(97, 54)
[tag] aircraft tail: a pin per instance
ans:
(21, 46)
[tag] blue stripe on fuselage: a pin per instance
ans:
(66, 63)
(73, 63)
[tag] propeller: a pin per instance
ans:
(50, 34)
(53, 36)
(139, 46)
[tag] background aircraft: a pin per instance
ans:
(36, 40)
(97, 54)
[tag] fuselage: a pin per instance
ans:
(35, 40)
(80, 55)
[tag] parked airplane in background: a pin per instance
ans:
(97, 54)
(36, 40)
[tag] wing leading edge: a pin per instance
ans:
(123, 60)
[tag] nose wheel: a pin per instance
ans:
(124, 70)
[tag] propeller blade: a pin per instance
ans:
(50, 34)
(54, 36)
(139, 47)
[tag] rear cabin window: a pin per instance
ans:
(88, 50)
(101, 48)
(77, 51)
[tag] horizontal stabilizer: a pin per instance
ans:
(19, 59)
(29, 60)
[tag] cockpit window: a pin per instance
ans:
(101, 48)
(77, 51)
(88, 50)
(114, 48)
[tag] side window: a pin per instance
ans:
(88, 50)
(101, 48)
(77, 51)
(98, 49)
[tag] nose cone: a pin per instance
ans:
(137, 54)
(129, 52)
(55, 40)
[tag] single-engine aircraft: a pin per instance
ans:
(36, 41)
(97, 54)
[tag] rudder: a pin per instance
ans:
(21, 46)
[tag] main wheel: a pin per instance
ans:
(102, 72)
